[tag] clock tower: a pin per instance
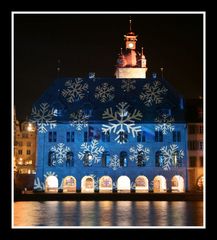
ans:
(130, 62)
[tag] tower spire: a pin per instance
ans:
(130, 21)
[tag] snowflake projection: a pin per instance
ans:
(152, 93)
(115, 162)
(75, 90)
(79, 120)
(135, 151)
(170, 155)
(60, 152)
(104, 92)
(38, 185)
(165, 123)
(128, 85)
(93, 150)
(48, 174)
(44, 117)
(121, 121)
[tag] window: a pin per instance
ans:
(69, 159)
(70, 136)
(24, 135)
(193, 145)
(176, 136)
(176, 160)
(201, 129)
(51, 158)
(141, 136)
(192, 129)
(52, 136)
(158, 136)
(192, 161)
(201, 162)
(28, 152)
(105, 159)
(87, 159)
(20, 152)
(140, 159)
(123, 137)
(106, 136)
(159, 159)
(28, 144)
(85, 136)
(201, 145)
(20, 144)
(123, 159)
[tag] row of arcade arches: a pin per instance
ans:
(123, 184)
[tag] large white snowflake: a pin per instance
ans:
(152, 93)
(93, 150)
(75, 90)
(44, 117)
(121, 121)
(128, 85)
(79, 120)
(60, 151)
(115, 162)
(104, 92)
(165, 123)
(170, 155)
(139, 149)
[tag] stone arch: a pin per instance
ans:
(160, 184)
(69, 184)
(123, 184)
(177, 184)
(51, 184)
(141, 184)
(105, 184)
(87, 184)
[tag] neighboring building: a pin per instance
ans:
(24, 147)
(194, 115)
(124, 133)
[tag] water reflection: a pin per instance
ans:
(108, 213)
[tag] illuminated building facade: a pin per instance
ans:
(104, 134)
(195, 143)
(24, 147)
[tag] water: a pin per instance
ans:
(108, 213)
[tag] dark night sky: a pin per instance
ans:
(90, 43)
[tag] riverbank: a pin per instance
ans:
(30, 196)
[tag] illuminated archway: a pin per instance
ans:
(160, 184)
(178, 184)
(69, 184)
(141, 184)
(105, 184)
(123, 184)
(200, 183)
(51, 184)
(87, 184)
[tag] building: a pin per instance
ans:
(194, 115)
(24, 147)
(105, 134)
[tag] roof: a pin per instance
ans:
(100, 97)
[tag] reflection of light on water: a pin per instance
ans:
(108, 213)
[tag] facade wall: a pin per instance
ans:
(78, 170)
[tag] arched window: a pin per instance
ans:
(158, 159)
(177, 183)
(87, 184)
(87, 159)
(69, 184)
(141, 184)
(176, 160)
(141, 159)
(123, 137)
(51, 158)
(105, 159)
(160, 184)
(123, 159)
(51, 184)
(70, 159)
(105, 184)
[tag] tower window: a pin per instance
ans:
(70, 136)
(52, 136)
(176, 136)
(158, 136)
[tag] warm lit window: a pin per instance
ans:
(28, 152)
(20, 152)
(25, 135)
